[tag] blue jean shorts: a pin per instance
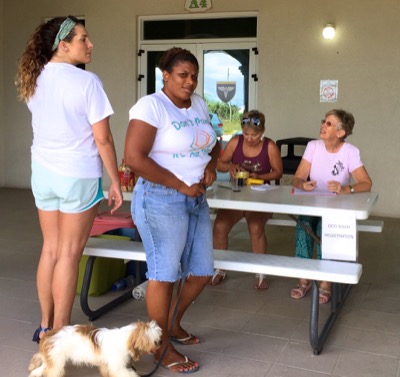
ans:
(55, 192)
(176, 232)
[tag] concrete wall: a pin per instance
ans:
(293, 58)
(2, 127)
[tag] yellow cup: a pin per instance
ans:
(242, 177)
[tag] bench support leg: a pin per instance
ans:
(94, 314)
(339, 294)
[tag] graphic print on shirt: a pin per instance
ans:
(202, 140)
(337, 168)
(249, 166)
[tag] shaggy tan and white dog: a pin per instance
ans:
(111, 350)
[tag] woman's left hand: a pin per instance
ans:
(114, 196)
(334, 186)
(210, 175)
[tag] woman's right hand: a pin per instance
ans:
(233, 169)
(309, 185)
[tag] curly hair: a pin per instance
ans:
(175, 55)
(37, 54)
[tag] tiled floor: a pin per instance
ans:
(243, 332)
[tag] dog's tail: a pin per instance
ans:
(36, 366)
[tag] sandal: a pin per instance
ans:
(194, 367)
(189, 340)
(324, 296)
(261, 282)
(300, 291)
(218, 276)
(39, 330)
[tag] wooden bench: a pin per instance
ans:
(338, 273)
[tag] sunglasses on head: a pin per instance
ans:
(255, 121)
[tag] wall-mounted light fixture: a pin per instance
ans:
(329, 31)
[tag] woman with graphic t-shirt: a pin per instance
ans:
(260, 156)
(332, 164)
(171, 145)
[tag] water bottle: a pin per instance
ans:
(139, 292)
(124, 283)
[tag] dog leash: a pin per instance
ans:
(159, 362)
(169, 336)
(180, 288)
(306, 228)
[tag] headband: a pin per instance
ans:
(63, 32)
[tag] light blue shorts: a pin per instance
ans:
(176, 232)
(54, 192)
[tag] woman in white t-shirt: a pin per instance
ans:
(71, 141)
(331, 164)
(171, 145)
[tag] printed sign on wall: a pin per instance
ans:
(339, 238)
(197, 5)
(328, 91)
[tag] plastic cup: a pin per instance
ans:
(235, 182)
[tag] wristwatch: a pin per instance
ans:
(351, 189)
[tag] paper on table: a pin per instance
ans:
(264, 187)
(315, 192)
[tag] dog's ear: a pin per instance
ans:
(141, 340)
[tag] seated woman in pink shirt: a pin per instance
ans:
(332, 165)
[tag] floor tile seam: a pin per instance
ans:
(378, 312)
(258, 312)
(11, 296)
(303, 369)
(16, 320)
(18, 349)
(305, 318)
(378, 332)
(234, 356)
(364, 352)
(245, 332)
(369, 330)
(18, 280)
(397, 299)
(229, 308)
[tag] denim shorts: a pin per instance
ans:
(176, 232)
(55, 192)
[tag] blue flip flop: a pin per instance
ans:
(37, 332)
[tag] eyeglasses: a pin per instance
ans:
(255, 121)
(328, 124)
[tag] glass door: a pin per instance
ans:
(149, 76)
(226, 78)
(228, 85)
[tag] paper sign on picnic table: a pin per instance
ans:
(339, 238)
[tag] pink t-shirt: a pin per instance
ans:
(327, 166)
